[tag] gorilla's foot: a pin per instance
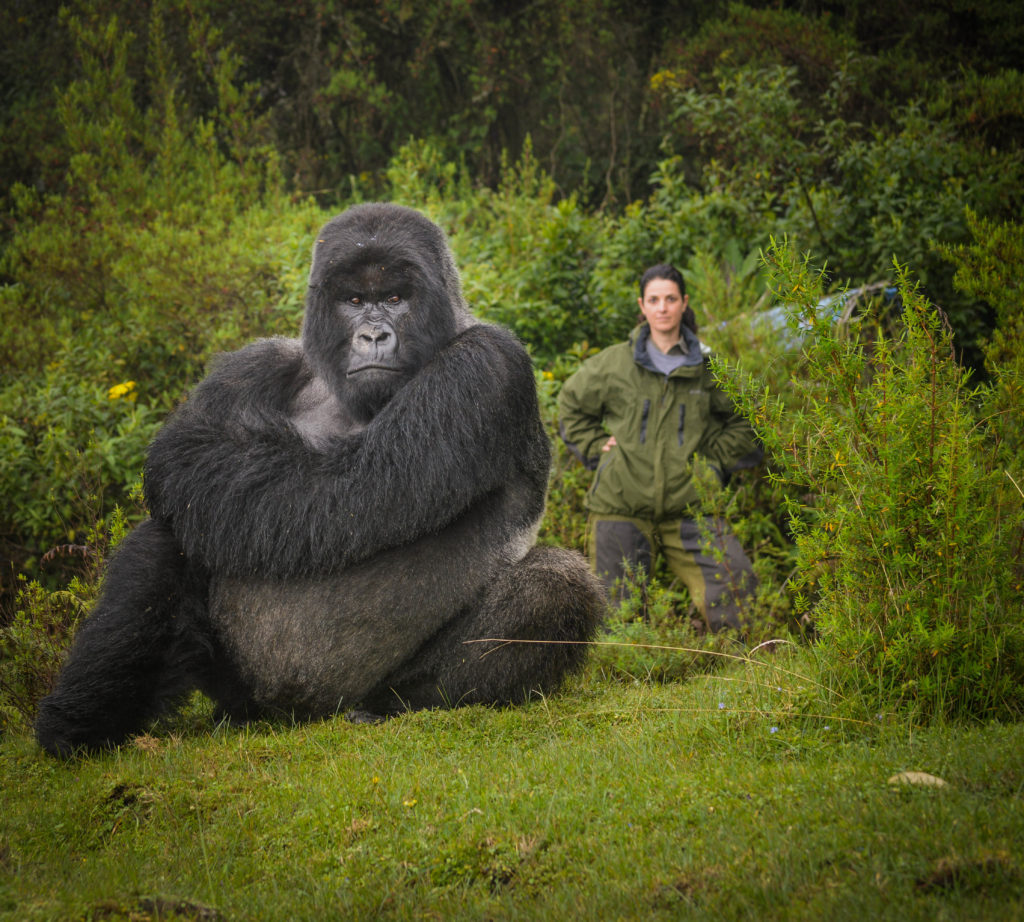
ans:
(358, 716)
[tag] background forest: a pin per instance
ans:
(167, 163)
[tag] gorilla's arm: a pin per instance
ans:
(245, 494)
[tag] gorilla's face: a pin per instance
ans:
(378, 307)
(379, 320)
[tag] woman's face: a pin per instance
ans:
(662, 306)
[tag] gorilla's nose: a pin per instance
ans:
(374, 342)
(374, 336)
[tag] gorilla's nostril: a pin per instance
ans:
(374, 335)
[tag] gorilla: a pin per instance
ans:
(334, 518)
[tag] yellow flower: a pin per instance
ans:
(120, 390)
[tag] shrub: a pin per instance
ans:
(991, 269)
(34, 642)
(70, 449)
(908, 534)
(525, 258)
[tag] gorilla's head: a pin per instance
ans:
(384, 296)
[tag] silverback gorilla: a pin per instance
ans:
(333, 517)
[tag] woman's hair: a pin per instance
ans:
(671, 274)
(662, 271)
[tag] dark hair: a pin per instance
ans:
(662, 271)
(669, 273)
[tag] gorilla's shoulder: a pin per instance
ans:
(494, 343)
(264, 370)
(256, 357)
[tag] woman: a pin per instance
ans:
(669, 422)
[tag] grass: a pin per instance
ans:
(713, 797)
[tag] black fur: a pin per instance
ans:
(333, 518)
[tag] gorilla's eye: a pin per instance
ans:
(394, 299)
(355, 300)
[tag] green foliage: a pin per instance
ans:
(565, 518)
(33, 646)
(674, 225)
(34, 642)
(348, 84)
(156, 215)
(343, 86)
(170, 240)
(991, 269)
(68, 450)
(650, 635)
(910, 535)
(764, 38)
(525, 258)
(547, 302)
(782, 145)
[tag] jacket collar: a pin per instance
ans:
(688, 342)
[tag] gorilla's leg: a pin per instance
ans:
(139, 650)
(550, 598)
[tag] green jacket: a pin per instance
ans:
(664, 425)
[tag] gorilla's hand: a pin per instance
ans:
(246, 495)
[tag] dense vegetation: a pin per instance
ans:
(168, 162)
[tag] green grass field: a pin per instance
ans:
(717, 797)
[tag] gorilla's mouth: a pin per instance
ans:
(359, 369)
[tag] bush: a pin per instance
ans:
(525, 258)
(34, 642)
(908, 536)
(70, 452)
(991, 269)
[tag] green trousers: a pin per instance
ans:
(703, 553)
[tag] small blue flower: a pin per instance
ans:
(721, 705)
(773, 730)
(827, 727)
